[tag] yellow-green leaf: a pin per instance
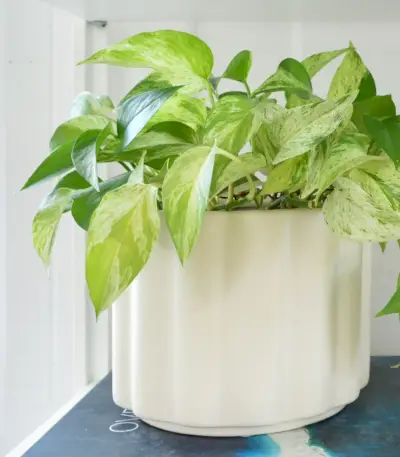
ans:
(121, 236)
(316, 62)
(289, 175)
(185, 192)
(231, 123)
(348, 76)
(300, 129)
(249, 164)
(239, 67)
(46, 221)
(185, 57)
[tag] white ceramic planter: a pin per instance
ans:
(265, 329)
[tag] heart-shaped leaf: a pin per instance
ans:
(239, 67)
(121, 236)
(186, 191)
(185, 57)
(300, 129)
(231, 123)
(135, 112)
(291, 77)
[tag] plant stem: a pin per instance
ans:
(124, 165)
(231, 192)
(275, 203)
(252, 187)
(246, 85)
(210, 95)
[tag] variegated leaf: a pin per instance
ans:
(348, 152)
(316, 62)
(85, 103)
(348, 76)
(179, 108)
(352, 212)
(262, 144)
(300, 129)
(316, 160)
(185, 192)
(121, 236)
(231, 123)
(178, 55)
(291, 77)
(289, 175)
(386, 175)
(46, 221)
(250, 163)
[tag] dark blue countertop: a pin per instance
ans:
(370, 427)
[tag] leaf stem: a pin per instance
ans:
(124, 165)
(252, 187)
(246, 85)
(210, 95)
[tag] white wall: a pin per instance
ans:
(43, 315)
(270, 43)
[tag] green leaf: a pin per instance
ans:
(231, 123)
(348, 152)
(353, 212)
(56, 163)
(383, 246)
(239, 67)
(291, 77)
(121, 236)
(393, 307)
(183, 56)
(300, 129)
(86, 203)
(367, 87)
(185, 195)
(85, 151)
(72, 129)
(179, 108)
(377, 107)
(287, 176)
(46, 222)
(72, 180)
(348, 76)
(387, 134)
(85, 103)
(135, 112)
(249, 164)
(316, 62)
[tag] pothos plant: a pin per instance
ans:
(186, 148)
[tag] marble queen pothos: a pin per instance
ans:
(186, 148)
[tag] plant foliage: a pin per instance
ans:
(185, 148)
